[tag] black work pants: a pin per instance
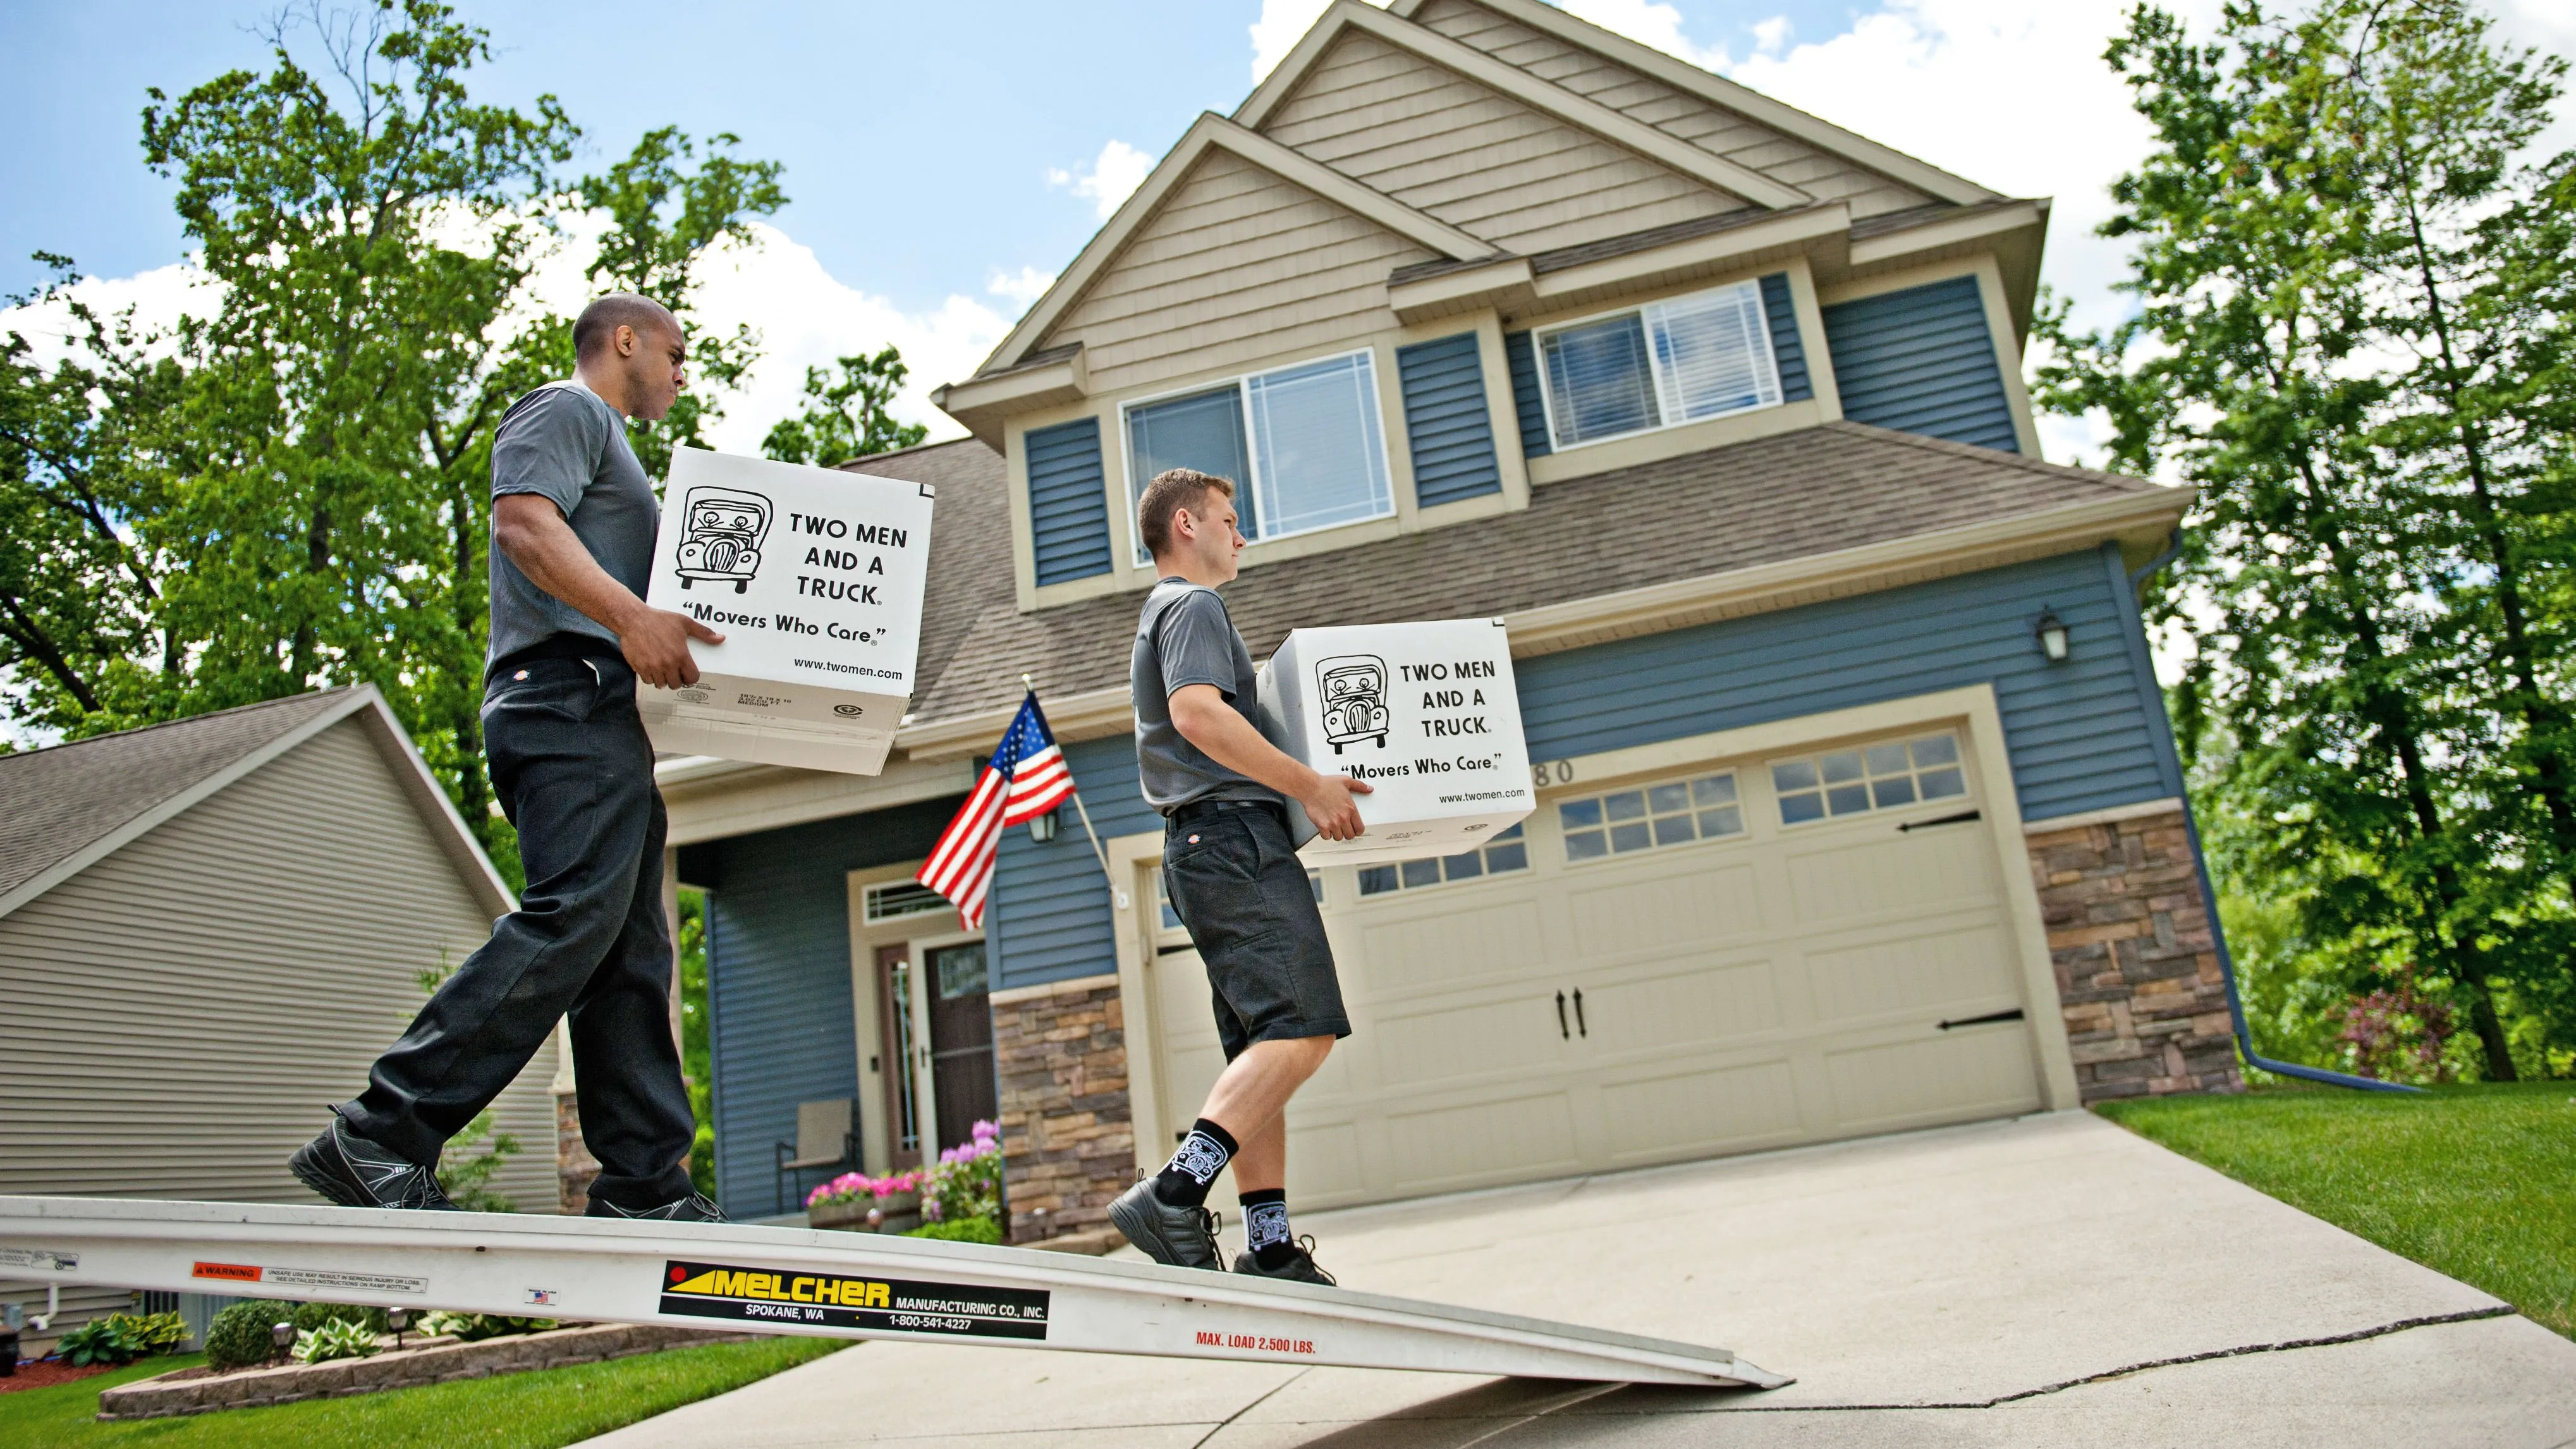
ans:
(574, 772)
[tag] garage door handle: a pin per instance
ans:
(1989, 1017)
(1962, 818)
(1578, 1013)
(1560, 1017)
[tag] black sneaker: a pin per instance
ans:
(1178, 1237)
(695, 1208)
(1300, 1267)
(354, 1172)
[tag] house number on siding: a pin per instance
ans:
(1552, 772)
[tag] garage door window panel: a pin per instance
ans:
(1650, 817)
(1882, 776)
(1507, 852)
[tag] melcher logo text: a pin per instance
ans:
(836, 1300)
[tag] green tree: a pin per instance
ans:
(670, 203)
(846, 417)
(697, 1054)
(2338, 266)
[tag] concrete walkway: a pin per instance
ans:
(2052, 1280)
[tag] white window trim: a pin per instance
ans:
(1242, 384)
(1654, 367)
(1743, 822)
(1967, 778)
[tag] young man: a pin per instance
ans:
(573, 524)
(1235, 879)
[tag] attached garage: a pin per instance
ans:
(1795, 933)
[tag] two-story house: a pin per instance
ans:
(1858, 807)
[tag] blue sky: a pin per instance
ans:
(917, 138)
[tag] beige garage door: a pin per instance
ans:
(1741, 955)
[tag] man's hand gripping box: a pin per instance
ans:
(1426, 713)
(815, 578)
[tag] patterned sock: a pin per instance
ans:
(1184, 1180)
(1265, 1227)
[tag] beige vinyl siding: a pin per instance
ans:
(180, 1015)
(1712, 128)
(1236, 266)
(1480, 161)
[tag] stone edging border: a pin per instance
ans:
(162, 1396)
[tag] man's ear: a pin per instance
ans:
(625, 339)
(1184, 526)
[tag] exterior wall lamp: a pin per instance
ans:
(2050, 631)
(1042, 827)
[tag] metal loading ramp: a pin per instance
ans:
(796, 1280)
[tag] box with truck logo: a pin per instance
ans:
(1426, 713)
(815, 578)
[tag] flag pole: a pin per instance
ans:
(1115, 894)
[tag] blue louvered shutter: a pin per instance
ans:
(1522, 358)
(1068, 501)
(1445, 418)
(1923, 361)
(1788, 353)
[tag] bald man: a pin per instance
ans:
(573, 524)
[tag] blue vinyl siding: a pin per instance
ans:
(1446, 421)
(1050, 902)
(1068, 501)
(1922, 361)
(1521, 355)
(778, 978)
(1787, 351)
(2079, 733)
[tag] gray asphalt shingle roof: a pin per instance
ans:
(1792, 495)
(58, 801)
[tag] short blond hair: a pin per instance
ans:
(1172, 490)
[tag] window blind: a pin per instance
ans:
(1316, 437)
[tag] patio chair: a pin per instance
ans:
(827, 1136)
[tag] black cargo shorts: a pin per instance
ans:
(1238, 887)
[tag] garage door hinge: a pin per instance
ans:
(1962, 818)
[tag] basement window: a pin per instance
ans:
(1875, 777)
(1501, 855)
(1682, 360)
(1303, 445)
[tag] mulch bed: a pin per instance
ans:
(45, 1373)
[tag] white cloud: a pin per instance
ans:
(159, 298)
(1651, 23)
(1771, 36)
(1282, 24)
(1118, 170)
(1023, 286)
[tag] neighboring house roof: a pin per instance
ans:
(65, 807)
(1870, 506)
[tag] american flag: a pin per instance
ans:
(1025, 780)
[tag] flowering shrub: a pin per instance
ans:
(967, 1182)
(851, 1187)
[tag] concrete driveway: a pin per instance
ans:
(2052, 1280)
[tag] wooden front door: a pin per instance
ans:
(961, 1040)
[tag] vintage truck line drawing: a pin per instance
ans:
(721, 536)
(1353, 689)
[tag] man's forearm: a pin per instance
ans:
(1230, 740)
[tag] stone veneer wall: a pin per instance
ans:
(1068, 1137)
(574, 1166)
(2137, 963)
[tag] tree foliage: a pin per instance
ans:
(846, 417)
(290, 487)
(2351, 335)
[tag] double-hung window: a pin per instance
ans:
(1303, 444)
(1676, 361)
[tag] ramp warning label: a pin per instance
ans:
(763, 1295)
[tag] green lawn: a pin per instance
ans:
(2478, 1182)
(538, 1410)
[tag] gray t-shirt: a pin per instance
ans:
(563, 443)
(1184, 637)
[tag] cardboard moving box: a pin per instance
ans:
(815, 578)
(1426, 713)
